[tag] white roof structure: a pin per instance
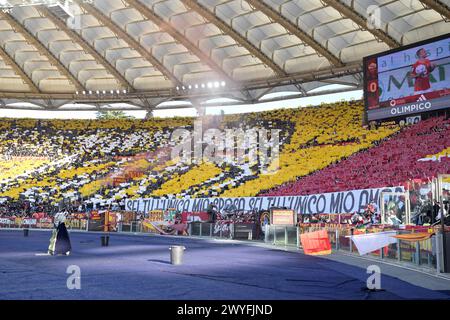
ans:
(136, 54)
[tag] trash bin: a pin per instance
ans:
(25, 232)
(105, 241)
(176, 254)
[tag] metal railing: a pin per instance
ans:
(133, 227)
(424, 254)
(282, 235)
(205, 229)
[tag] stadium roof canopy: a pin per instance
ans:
(125, 54)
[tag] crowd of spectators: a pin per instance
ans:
(83, 165)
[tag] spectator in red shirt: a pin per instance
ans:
(421, 71)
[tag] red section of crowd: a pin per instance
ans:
(392, 163)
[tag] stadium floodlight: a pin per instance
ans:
(4, 4)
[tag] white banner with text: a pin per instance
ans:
(335, 202)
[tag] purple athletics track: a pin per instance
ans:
(137, 267)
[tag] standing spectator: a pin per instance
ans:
(436, 208)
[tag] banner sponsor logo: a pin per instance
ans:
(408, 109)
(411, 108)
(194, 217)
(29, 221)
(336, 202)
(45, 223)
(283, 217)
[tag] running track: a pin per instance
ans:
(137, 267)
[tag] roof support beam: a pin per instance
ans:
(439, 7)
(18, 27)
(18, 70)
(302, 77)
(295, 30)
(351, 13)
(78, 39)
(107, 22)
(181, 38)
(241, 40)
(344, 83)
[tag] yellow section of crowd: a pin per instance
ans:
(15, 192)
(196, 175)
(92, 187)
(123, 124)
(13, 168)
(51, 182)
(443, 153)
(70, 173)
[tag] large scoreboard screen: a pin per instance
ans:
(408, 80)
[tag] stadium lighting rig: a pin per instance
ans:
(5, 4)
(60, 8)
(102, 93)
(115, 93)
(211, 85)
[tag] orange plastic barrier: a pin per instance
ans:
(316, 243)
